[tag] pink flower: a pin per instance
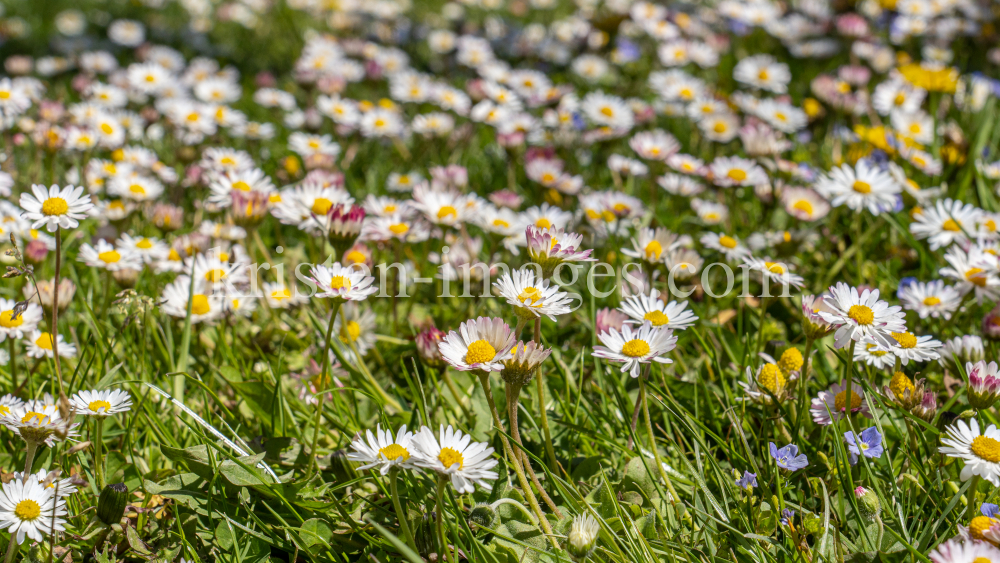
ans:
(608, 318)
(984, 384)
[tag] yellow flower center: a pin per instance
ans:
(720, 127)
(7, 320)
(245, 187)
(350, 332)
(736, 175)
(840, 401)
(280, 294)
(543, 223)
(500, 223)
(771, 378)
(55, 206)
(144, 244)
(137, 189)
(653, 250)
(356, 256)
(727, 241)
(215, 275)
(635, 348)
(450, 457)
(532, 293)
(900, 384)
(978, 526)
(905, 339)
(107, 128)
(321, 206)
(951, 225)
(340, 282)
(110, 257)
(96, 406)
(900, 98)
(861, 314)
(44, 341)
(656, 318)
(4, 95)
(393, 452)
(762, 75)
(803, 206)
(38, 417)
(975, 276)
(986, 448)
(447, 211)
(862, 187)
(931, 301)
(480, 352)
(606, 111)
(27, 509)
(399, 228)
(791, 360)
(199, 304)
(774, 267)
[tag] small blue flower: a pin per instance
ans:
(748, 481)
(989, 510)
(627, 50)
(788, 457)
(870, 444)
(904, 283)
(787, 515)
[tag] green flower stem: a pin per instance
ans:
(55, 313)
(323, 392)
(484, 380)
(970, 509)
(98, 451)
(401, 516)
(513, 394)
(540, 386)
(674, 497)
(442, 544)
(760, 325)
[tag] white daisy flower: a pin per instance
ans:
(861, 187)
(948, 222)
(772, 270)
(634, 348)
(101, 403)
(51, 482)
(729, 171)
(342, 283)
(533, 297)
(279, 296)
(650, 308)
(40, 346)
(652, 244)
(916, 348)
(728, 245)
(55, 207)
(27, 508)
(874, 355)
(24, 323)
(981, 452)
(974, 270)
(764, 72)
(206, 306)
(454, 454)
(957, 551)
(930, 299)
(148, 249)
(358, 329)
(857, 316)
(383, 451)
(480, 344)
(830, 406)
(36, 422)
(106, 257)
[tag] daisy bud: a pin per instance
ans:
(984, 384)
(249, 208)
(111, 503)
(167, 217)
(36, 251)
(868, 504)
(67, 289)
(582, 537)
(126, 277)
(991, 324)
(484, 516)
(345, 225)
(427, 348)
(927, 407)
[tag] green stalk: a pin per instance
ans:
(652, 444)
(323, 392)
(98, 451)
(970, 509)
(182, 357)
(540, 386)
(442, 544)
(404, 523)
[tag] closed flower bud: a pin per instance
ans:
(484, 516)
(868, 504)
(582, 537)
(111, 504)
